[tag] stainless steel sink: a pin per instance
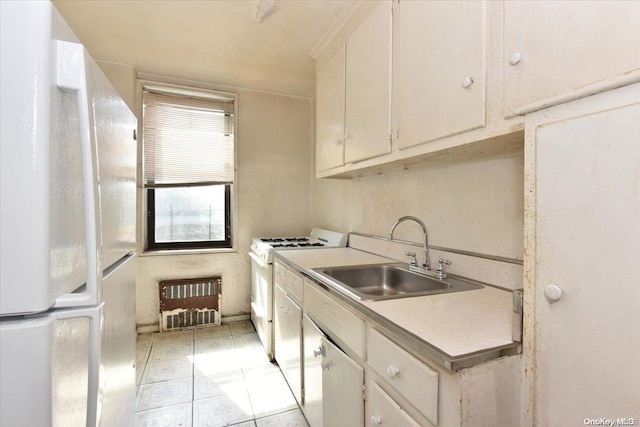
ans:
(387, 281)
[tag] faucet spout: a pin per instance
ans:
(426, 261)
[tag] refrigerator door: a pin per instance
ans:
(118, 372)
(50, 368)
(116, 168)
(48, 165)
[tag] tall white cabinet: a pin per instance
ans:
(582, 244)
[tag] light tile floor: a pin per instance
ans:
(218, 376)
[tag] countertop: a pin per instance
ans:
(459, 325)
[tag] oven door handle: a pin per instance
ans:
(258, 260)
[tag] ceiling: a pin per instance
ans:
(215, 41)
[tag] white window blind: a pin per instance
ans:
(187, 140)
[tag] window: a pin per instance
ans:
(189, 167)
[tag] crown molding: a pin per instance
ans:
(348, 10)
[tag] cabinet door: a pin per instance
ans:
(587, 241)
(330, 114)
(342, 381)
(441, 49)
(368, 87)
(384, 410)
(565, 45)
(312, 344)
(288, 341)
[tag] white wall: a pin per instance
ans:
(123, 78)
(475, 206)
(273, 193)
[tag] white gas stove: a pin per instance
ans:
(262, 274)
(264, 246)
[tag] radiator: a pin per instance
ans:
(187, 303)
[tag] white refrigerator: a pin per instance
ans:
(67, 237)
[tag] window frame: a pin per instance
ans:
(178, 245)
(146, 197)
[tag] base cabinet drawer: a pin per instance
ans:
(279, 272)
(414, 380)
(384, 411)
(294, 286)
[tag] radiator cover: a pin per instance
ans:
(188, 303)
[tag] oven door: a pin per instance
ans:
(262, 301)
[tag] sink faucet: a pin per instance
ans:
(426, 261)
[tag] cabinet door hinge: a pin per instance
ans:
(301, 323)
(364, 392)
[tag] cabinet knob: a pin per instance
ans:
(318, 352)
(392, 371)
(467, 82)
(515, 59)
(553, 293)
(376, 421)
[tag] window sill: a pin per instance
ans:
(169, 252)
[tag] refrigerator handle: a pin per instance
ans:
(94, 392)
(72, 76)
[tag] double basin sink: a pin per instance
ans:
(388, 281)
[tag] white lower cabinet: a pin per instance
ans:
(382, 410)
(326, 349)
(312, 355)
(342, 383)
(333, 382)
(312, 373)
(288, 340)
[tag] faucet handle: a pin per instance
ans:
(441, 263)
(414, 261)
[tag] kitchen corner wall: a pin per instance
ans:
(274, 186)
(474, 206)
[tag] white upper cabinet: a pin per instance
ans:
(554, 48)
(368, 87)
(330, 114)
(441, 69)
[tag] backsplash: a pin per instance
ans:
(501, 272)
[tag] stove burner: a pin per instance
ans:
(284, 245)
(271, 239)
(317, 244)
